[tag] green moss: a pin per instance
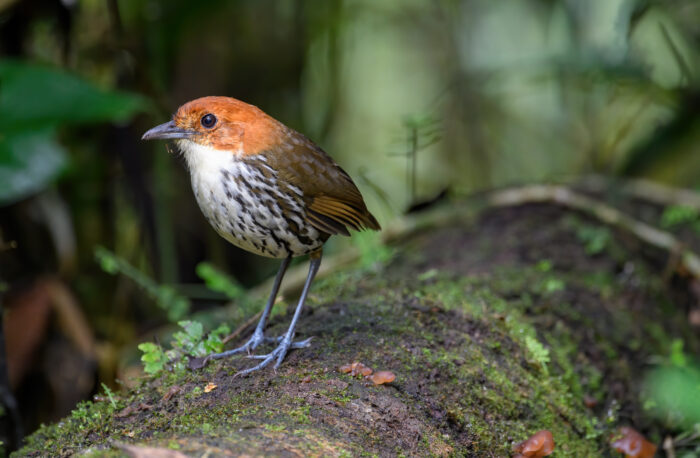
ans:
(481, 361)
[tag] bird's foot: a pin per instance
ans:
(256, 339)
(278, 353)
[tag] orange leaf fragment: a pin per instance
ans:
(630, 442)
(538, 445)
(171, 392)
(382, 377)
(210, 387)
(356, 368)
(364, 370)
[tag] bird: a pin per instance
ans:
(267, 189)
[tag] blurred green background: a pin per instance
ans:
(411, 97)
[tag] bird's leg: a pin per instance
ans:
(286, 341)
(257, 338)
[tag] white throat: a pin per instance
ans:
(205, 159)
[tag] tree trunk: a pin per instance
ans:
(496, 325)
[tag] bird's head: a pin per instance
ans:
(215, 125)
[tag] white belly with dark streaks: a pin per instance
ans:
(250, 220)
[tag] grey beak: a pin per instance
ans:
(166, 131)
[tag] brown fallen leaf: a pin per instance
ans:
(632, 443)
(536, 446)
(138, 451)
(210, 387)
(356, 368)
(382, 377)
(171, 392)
(27, 315)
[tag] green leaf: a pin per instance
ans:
(165, 296)
(219, 281)
(194, 329)
(678, 357)
(372, 250)
(676, 215)
(676, 392)
(108, 262)
(33, 95)
(214, 343)
(147, 347)
(153, 358)
(34, 101)
(29, 161)
(538, 352)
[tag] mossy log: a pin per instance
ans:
(496, 325)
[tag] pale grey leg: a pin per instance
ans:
(286, 341)
(257, 338)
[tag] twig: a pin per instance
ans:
(605, 213)
(644, 189)
(239, 330)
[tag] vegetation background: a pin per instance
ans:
(415, 99)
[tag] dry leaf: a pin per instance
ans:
(210, 387)
(630, 442)
(538, 445)
(382, 377)
(171, 392)
(356, 368)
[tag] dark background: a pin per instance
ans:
(413, 98)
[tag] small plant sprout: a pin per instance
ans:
(110, 395)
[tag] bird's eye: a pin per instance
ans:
(208, 121)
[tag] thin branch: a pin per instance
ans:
(562, 195)
(644, 189)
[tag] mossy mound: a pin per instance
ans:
(495, 328)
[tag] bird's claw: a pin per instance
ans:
(280, 352)
(252, 343)
(256, 339)
(293, 345)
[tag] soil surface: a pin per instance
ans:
(523, 319)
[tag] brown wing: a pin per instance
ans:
(333, 202)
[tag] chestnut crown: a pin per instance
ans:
(222, 123)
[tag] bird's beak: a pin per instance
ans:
(167, 131)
